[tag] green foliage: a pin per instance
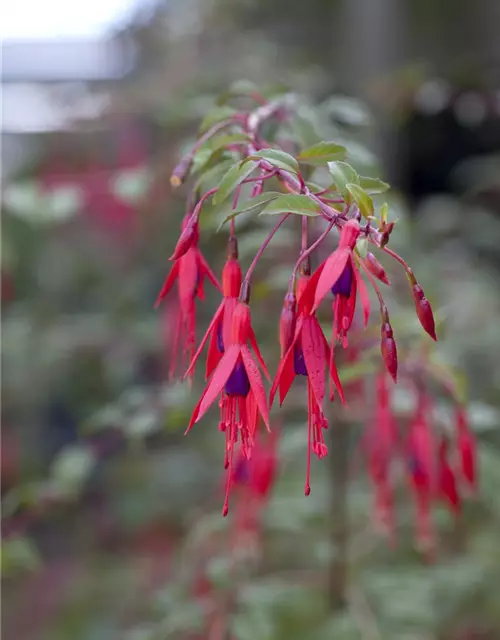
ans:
(292, 203)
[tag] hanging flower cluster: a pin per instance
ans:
(439, 464)
(235, 369)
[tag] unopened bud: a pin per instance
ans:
(287, 322)
(388, 347)
(231, 278)
(181, 170)
(375, 268)
(424, 311)
(189, 237)
(386, 230)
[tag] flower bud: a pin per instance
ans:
(424, 311)
(231, 278)
(388, 348)
(181, 170)
(375, 268)
(189, 237)
(287, 322)
(349, 235)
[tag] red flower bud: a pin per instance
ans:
(189, 237)
(231, 278)
(375, 268)
(287, 322)
(240, 324)
(349, 235)
(424, 310)
(386, 230)
(388, 348)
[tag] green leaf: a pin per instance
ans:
(322, 152)
(304, 130)
(347, 111)
(362, 199)
(292, 203)
(235, 176)
(342, 174)
(215, 116)
(216, 144)
(238, 88)
(18, 554)
(252, 203)
(384, 212)
(362, 247)
(373, 185)
(219, 142)
(72, 467)
(278, 158)
(211, 177)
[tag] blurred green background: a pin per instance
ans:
(106, 507)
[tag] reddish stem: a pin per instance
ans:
(307, 253)
(261, 250)
(374, 284)
(396, 257)
(199, 204)
(304, 234)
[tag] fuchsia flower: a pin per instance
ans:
(380, 444)
(447, 485)
(466, 445)
(233, 356)
(238, 382)
(339, 274)
(308, 355)
(422, 469)
(219, 331)
(189, 270)
(253, 481)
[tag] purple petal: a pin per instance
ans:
(220, 341)
(238, 383)
(343, 285)
(299, 363)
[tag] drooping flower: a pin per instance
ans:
(237, 381)
(447, 485)
(189, 270)
(380, 444)
(219, 330)
(467, 449)
(253, 480)
(422, 471)
(309, 356)
(339, 274)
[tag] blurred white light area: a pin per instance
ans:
(52, 19)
